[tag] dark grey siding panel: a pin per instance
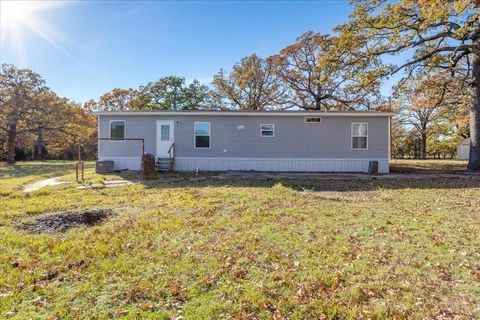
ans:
(293, 137)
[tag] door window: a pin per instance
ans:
(165, 132)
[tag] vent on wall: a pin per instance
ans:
(313, 119)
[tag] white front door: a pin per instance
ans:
(164, 137)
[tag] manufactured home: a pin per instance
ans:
(247, 140)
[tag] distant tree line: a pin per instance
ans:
(437, 98)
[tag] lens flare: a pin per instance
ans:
(18, 17)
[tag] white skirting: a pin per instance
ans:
(266, 164)
(260, 164)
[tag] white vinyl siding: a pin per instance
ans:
(293, 137)
(288, 164)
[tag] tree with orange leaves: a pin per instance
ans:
(426, 103)
(433, 34)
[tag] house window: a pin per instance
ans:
(117, 129)
(359, 136)
(313, 119)
(267, 130)
(202, 134)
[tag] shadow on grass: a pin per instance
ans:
(23, 169)
(214, 179)
(428, 166)
(205, 180)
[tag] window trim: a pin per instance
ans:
(313, 122)
(124, 130)
(209, 135)
(352, 136)
(267, 124)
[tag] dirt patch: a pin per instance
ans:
(64, 221)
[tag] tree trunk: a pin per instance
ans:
(318, 104)
(474, 157)
(318, 98)
(40, 144)
(11, 142)
(423, 152)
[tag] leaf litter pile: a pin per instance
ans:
(64, 221)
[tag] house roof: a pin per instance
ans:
(250, 113)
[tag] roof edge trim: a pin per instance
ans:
(245, 113)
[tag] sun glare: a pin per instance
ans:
(14, 12)
(18, 17)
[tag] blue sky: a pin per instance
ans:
(86, 48)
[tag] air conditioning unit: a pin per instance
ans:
(104, 166)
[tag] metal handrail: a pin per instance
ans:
(171, 153)
(171, 150)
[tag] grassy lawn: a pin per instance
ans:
(183, 248)
(427, 166)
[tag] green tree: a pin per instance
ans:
(164, 94)
(251, 85)
(19, 93)
(115, 100)
(79, 128)
(50, 116)
(197, 96)
(438, 34)
(31, 114)
(170, 93)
